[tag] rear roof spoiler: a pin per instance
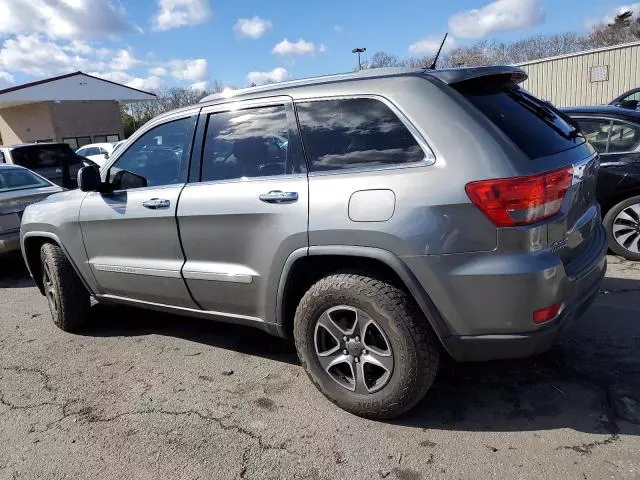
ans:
(457, 75)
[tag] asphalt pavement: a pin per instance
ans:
(143, 395)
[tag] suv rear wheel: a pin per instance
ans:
(67, 298)
(366, 345)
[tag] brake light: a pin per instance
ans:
(546, 314)
(508, 202)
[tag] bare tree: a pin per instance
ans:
(384, 59)
(137, 114)
(624, 28)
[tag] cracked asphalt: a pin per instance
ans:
(145, 395)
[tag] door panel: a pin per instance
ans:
(249, 211)
(135, 251)
(131, 235)
(233, 240)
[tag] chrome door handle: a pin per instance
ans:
(278, 196)
(156, 203)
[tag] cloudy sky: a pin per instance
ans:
(150, 44)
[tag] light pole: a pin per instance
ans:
(359, 51)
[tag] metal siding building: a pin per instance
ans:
(592, 77)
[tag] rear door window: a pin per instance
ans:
(624, 137)
(354, 133)
(533, 125)
(596, 131)
(249, 143)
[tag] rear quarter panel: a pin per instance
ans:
(433, 214)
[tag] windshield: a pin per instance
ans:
(19, 179)
(533, 125)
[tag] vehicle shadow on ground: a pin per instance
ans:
(581, 383)
(578, 384)
(13, 272)
(114, 321)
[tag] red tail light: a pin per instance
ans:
(521, 200)
(546, 314)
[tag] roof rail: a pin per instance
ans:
(453, 75)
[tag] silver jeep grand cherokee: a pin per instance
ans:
(379, 218)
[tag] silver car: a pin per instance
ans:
(380, 219)
(19, 187)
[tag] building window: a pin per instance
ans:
(77, 142)
(599, 73)
(106, 138)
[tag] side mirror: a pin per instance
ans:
(89, 179)
(86, 162)
(106, 156)
(125, 180)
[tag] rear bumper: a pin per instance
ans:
(10, 242)
(492, 347)
(487, 300)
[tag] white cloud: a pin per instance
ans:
(633, 7)
(71, 19)
(429, 45)
(102, 52)
(301, 47)
(180, 13)
(278, 74)
(40, 57)
(124, 60)
(200, 86)
(6, 79)
(81, 47)
(35, 55)
(338, 28)
(148, 83)
(141, 83)
(193, 69)
(497, 16)
(322, 48)
(252, 27)
(158, 71)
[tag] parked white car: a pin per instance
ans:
(97, 152)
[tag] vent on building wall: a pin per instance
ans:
(599, 73)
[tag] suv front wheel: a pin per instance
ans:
(67, 298)
(366, 345)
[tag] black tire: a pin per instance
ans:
(67, 297)
(416, 353)
(608, 224)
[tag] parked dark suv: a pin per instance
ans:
(378, 218)
(56, 162)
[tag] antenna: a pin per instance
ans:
(433, 65)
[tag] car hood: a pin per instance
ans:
(63, 196)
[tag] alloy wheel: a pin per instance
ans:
(50, 289)
(353, 349)
(626, 228)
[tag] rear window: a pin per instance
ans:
(533, 125)
(18, 179)
(45, 156)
